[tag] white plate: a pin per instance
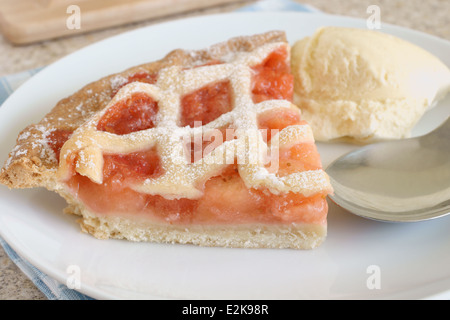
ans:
(410, 260)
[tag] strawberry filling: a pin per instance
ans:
(226, 199)
(206, 104)
(135, 113)
(272, 79)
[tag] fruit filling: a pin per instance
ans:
(272, 78)
(135, 113)
(206, 104)
(56, 140)
(226, 199)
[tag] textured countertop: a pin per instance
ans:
(431, 16)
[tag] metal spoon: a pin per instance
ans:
(397, 181)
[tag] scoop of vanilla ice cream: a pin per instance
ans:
(364, 84)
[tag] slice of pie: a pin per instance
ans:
(201, 147)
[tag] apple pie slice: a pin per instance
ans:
(201, 147)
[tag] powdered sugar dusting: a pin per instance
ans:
(117, 82)
(33, 140)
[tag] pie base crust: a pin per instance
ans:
(294, 236)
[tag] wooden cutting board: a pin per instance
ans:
(26, 21)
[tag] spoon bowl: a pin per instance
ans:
(397, 181)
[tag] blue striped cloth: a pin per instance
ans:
(52, 289)
(9, 83)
